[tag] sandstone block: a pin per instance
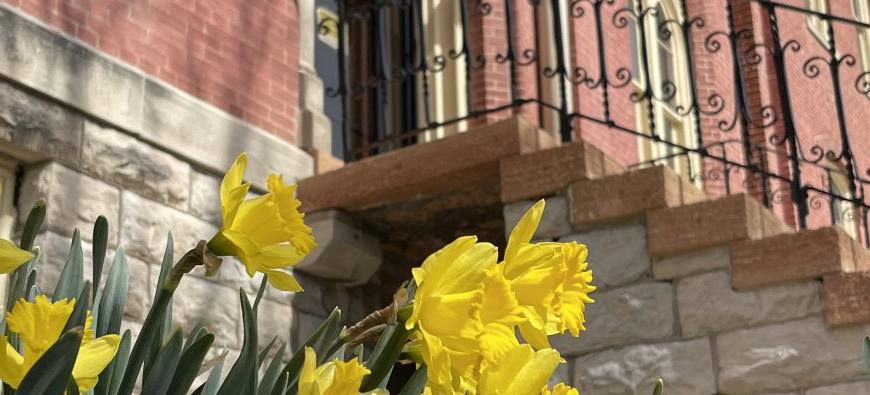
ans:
(630, 314)
(617, 255)
(554, 223)
(789, 355)
(707, 304)
(73, 200)
(692, 263)
(135, 165)
(847, 298)
(686, 367)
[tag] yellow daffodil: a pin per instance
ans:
(332, 378)
(39, 326)
(12, 257)
(520, 371)
(560, 389)
(267, 233)
(550, 281)
(447, 312)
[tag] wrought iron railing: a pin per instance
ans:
(775, 98)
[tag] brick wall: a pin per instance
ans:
(241, 56)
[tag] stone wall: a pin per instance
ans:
(91, 136)
(674, 299)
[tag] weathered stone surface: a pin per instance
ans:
(274, 319)
(678, 230)
(707, 304)
(554, 223)
(135, 165)
(622, 316)
(694, 262)
(38, 125)
(49, 62)
(315, 130)
(324, 161)
(178, 121)
(539, 174)
(789, 355)
(73, 200)
(562, 374)
(145, 225)
(54, 252)
(617, 255)
(686, 367)
(345, 253)
(205, 202)
(798, 256)
(855, 388)
(629, 194)
(847, 298)
(198, 300)
(304, 325)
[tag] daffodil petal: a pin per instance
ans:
(233, 190)
(92, 359)
(12, 367)
(283, 281)
(12, 257)
(524, 230)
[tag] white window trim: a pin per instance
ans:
(818, 26)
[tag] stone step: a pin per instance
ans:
(677, 230)
(630, 194)
(547, 172)
(804, 255)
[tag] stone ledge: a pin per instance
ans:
(629, 194)
(673, 231)
(799, 256)
(542, 173)
(466, 159)
(324, 162)
(345, 253)
(847, 298)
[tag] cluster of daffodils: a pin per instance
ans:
(479, 326)
(469, 307)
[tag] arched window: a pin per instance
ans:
(658, 51)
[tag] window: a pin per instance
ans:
(861, 8)
(817, 25)
(327, 23)
(842, 212)
(667, 67)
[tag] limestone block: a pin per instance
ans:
(304, 325)
(686, 367)
(562, 374)
(49, 62)
(274, 319)
(198, 300)
(145, 225)
(855, 388)
(54, 252)
(554, 222)
(135, 165)
(213, 138)
(789, 355)
(315, 130)
(623, 315)
(692, 263)
(707, 303)
(73, 200)
(38, 125)
(617, 255)
(344, 253)
(205, 201)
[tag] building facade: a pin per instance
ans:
(713, 155)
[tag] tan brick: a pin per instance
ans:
(847, 298)
(542, 173)
(717, 222)
(629, 194)
(466, 159)
(791, 257)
